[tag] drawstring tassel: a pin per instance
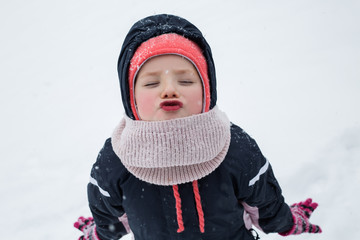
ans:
(199, 206)
(178, 208)
(254, 233)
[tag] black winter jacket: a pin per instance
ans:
(244, 178)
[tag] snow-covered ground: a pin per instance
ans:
(288, 73)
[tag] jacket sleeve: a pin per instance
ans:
(259, 191)
(105, 198)
(265, 203)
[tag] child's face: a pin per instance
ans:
(168, 87)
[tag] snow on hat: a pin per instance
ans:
(169, 43)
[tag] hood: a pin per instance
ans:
(153, 26)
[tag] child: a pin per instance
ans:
(175, 167)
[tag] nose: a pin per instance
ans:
(169, 90)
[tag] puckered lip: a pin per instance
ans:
(172, 105)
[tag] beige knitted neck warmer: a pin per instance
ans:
(173, 151)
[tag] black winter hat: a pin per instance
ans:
(153, 26)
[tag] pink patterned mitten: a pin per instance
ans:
(301, 213)
(88, 227)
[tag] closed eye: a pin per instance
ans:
(186, 82)
(151, 84)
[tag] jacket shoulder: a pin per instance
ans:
(244, 158)
(108, 171)
(242, 144)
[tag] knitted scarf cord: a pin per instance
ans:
(173, 151)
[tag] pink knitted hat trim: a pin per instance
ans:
(170, 43)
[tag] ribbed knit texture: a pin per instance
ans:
(173, 151)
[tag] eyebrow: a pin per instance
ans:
(147, 74)
(183, 71)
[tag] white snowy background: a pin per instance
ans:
(288, 73)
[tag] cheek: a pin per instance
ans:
(145, 103)
(196, 101)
